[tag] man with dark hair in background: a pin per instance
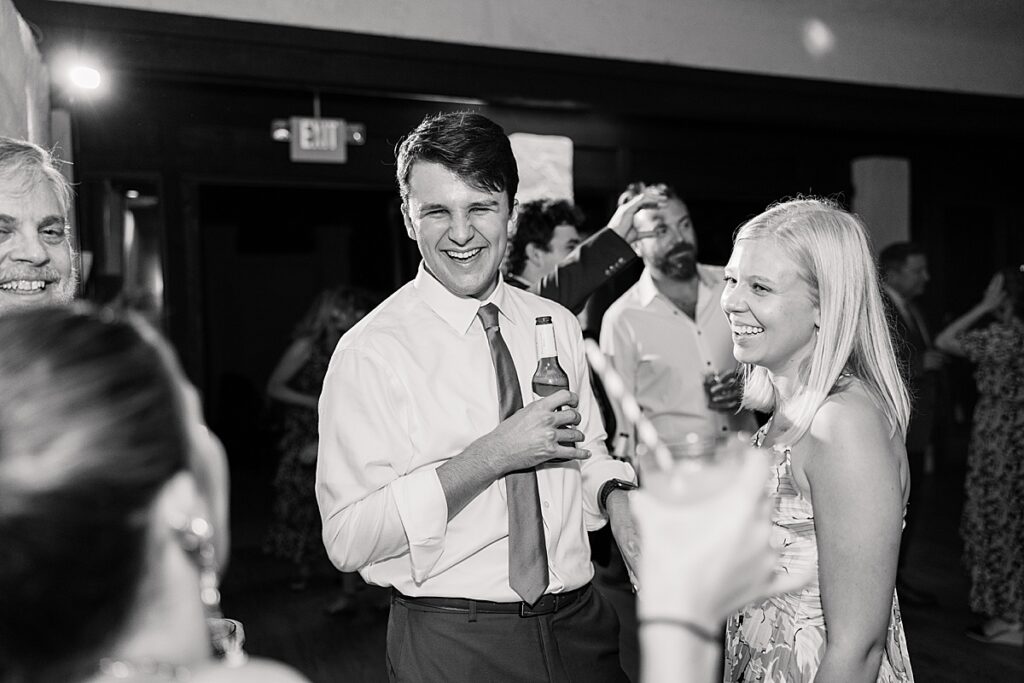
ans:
(904, 267)
(546, 231)
(432, 476)
(36, 260)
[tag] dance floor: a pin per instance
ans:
(293, 627)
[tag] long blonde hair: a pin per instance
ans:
(833, 252)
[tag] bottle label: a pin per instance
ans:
(546, 341)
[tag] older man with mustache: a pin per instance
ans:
(667, 336)
(36, 259)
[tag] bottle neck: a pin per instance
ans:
(546, 341)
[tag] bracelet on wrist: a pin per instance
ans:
(701, 632)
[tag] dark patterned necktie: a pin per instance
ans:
(527, 555)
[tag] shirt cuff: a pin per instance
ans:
(423, 509)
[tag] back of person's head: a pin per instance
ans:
(637, 188)
(467, 144)
(535, 224)
(895, 256)
(24, 165)
(91, 428)
(832, 250)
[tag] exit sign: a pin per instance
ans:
(318, 140)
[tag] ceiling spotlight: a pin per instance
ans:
(84, 77)
(818, 38)
(132, 194)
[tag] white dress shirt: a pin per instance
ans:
(412, 385)
(663, 355)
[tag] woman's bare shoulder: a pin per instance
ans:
(850, 412)
(256, 670)
(851, 431)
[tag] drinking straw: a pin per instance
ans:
(616, 391)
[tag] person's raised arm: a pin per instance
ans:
(852, 466)
(295, 356)
(994, 296)
(598, 258)
(622, 220)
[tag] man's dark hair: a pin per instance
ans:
(536, 224)
(895, 256)
(468, 144)
(636, 188)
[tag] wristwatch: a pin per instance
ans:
(608, 487)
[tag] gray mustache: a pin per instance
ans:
(45, 273)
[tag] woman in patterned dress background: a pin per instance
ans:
(803, 300)
(296, 382)
(993, 518)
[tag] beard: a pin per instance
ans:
(67, 287)
(679, 263)
(61, 288)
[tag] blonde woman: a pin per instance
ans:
(803, 301)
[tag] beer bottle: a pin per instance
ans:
(549, 376)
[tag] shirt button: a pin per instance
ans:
(709, 362)
(546, 504)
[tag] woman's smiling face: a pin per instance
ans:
(772, 310)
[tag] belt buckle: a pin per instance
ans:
(546, 604)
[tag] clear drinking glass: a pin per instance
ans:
(711, 380)
(699, 466)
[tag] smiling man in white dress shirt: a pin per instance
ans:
(416, 463)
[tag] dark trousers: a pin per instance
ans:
(577, 643)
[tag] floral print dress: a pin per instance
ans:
(783, 638)
(992, 526)
(294, 532)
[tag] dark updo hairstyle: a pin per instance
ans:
(91, 428)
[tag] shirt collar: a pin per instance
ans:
(457, 311)
(647, 290)
(520, 279)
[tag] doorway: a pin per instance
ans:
(266, 251)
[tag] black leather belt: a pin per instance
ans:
(546, 604)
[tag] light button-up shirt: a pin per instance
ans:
(411, 386)
(663, 355)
